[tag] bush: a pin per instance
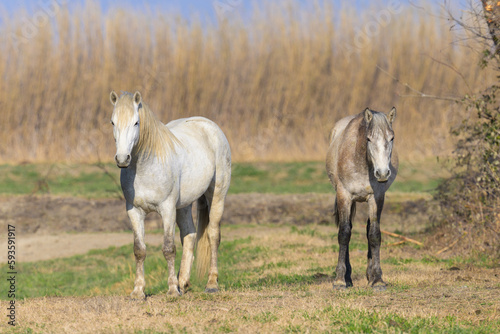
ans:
(470, 198)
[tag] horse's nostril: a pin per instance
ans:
(377, 174)
(128, 157)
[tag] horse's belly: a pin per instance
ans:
(193, 188)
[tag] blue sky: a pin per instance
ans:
(185, 7)
(188, 8)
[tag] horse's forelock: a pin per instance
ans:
(378, 124)
(124, 109)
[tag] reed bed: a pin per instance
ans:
(275, 81)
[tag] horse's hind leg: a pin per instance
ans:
(216, 204)
(344, 213)
(137, 219)
(215, 196)
(373, 270)
(188, 238)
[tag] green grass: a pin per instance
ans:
(90, 181)
(347, 320)
(112, 270)
(102, 180)
(280, 178)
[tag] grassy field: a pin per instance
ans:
(272, 279)
(102, 180)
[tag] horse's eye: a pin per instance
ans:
(112, 123)
(392, 139)
(136, 123)
(368, 139)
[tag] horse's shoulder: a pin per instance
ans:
(340, 127)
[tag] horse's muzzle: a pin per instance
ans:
(382, 176)
(122, 160)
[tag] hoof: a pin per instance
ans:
(173, 292)
(211, 290)
(137, 295)
(339, 286)
(379, 286)
(184, 287)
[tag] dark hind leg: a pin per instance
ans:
(188, 238)
(373, 270)
(344, 213)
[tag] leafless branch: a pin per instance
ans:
(453, 68)
(419, 93)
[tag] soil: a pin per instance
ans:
(49, 226)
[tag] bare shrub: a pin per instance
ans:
(470, 199)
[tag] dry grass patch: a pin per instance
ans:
(279, 279)
(317, 308)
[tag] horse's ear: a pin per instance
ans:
(368, 115)
(137, 99)
(391, 115)
(113, 97)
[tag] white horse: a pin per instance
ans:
(165, 168)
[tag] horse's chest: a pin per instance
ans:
(359, 187)
(146, 192)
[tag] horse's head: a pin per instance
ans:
(125, 121)
(379, 137)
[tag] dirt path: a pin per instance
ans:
(45, 247)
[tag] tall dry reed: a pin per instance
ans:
(275, 82)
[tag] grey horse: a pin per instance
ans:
(362, 164)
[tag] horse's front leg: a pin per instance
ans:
(168, 215)
(137, 219)
(344, 207)
(373, 270)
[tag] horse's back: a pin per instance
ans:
(207, 132)
(336, 138)
(339, 127)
